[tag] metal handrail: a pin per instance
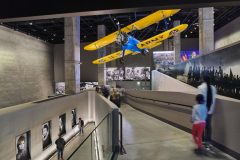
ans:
(89, 135)
(122, 150)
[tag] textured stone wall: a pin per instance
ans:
(26, 68)
(228, 34)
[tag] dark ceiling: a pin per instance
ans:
(52, 30)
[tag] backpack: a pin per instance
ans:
(82, 123)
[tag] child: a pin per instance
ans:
(199, 115)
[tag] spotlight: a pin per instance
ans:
(185, 35)
(45, 30)
(30, 23)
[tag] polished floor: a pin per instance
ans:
(147, 138)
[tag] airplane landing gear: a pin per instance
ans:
(122, 60)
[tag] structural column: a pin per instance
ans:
(72, 54)
(177, 43)
(206, 30)
(166, 45)
(101, 52)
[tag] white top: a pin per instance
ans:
(202, 89)
(199, 113)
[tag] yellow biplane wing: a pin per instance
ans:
(157, 40)
(138, 25)
(111, 57)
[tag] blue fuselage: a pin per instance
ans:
(131, 44)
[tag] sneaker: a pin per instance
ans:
(198, 150)
(207, 147)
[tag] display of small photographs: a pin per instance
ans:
(23, 146)
(114, 74)
(137, 73)
(46, 135)
(62, 124)
(164, 58)
(74, 118)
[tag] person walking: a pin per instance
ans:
(60, 143)
(209, 93)
(199, 115)
(80, 125)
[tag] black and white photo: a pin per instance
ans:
(62, 124)
(46, 135)
(74, 117)
(23, 146)
(137, 73)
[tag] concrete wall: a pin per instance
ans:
(18, 119)
(26, 68)
(58, 51)
(225, 119)
(228, 34)
(162, 82)
(188, 44)
(88, 70)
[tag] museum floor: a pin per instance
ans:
(147, 138)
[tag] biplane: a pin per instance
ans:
(130, 45)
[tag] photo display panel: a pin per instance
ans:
(186, 55)
(114, 74)
(164, 58)
(23, 146)
(46, 135)
(60, 88)
(137, 73)
(62, 124)
(74, 117)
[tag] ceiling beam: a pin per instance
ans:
(15, 10)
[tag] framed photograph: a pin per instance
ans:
(46, 135)
(60, 88)
(112, 74)
(23, 146)
(62, 124)
(74, 117)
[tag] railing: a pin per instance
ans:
(122, 150)
(154, 100)
(98, 144)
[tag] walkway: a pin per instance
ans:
(147, 138)
(73, 144)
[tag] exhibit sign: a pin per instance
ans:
(23, 146)
(62, 124)
(74, 117)
(46, 135)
